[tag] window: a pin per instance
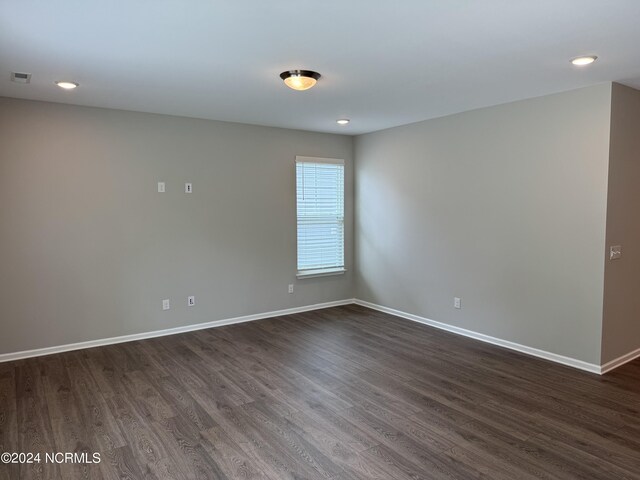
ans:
(320, 210)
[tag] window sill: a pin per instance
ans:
(321, 273)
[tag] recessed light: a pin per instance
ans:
(300, 79)
(343, 121)
(582, 61)
(67, 85)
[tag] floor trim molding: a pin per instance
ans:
(554, 357)
(571, 362)
(38, 352)
(618, 362)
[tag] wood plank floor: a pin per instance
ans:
(344, 393)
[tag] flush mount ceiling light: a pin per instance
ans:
(582, 61)
(343, 121)
(67, 85)
(300, 79)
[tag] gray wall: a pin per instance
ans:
(621, 321)
(88, 248)
(504, 207)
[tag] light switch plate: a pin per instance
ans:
(188, 188)
(161, 187)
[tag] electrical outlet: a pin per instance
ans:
(188, 188)
(161, 187)
(191, 301)
(457, 303)
(166, 304)
(291, 288)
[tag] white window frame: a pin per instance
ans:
(328, 270)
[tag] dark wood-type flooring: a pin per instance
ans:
(344, 393)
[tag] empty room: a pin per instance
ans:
(320, 240)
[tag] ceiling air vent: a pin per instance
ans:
(19, 77)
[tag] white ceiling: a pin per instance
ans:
(384, 62)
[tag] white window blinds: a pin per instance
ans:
(320, 208)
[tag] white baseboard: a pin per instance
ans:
(571, 362)
(554, 357)
(8, 357)
(607, 367)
